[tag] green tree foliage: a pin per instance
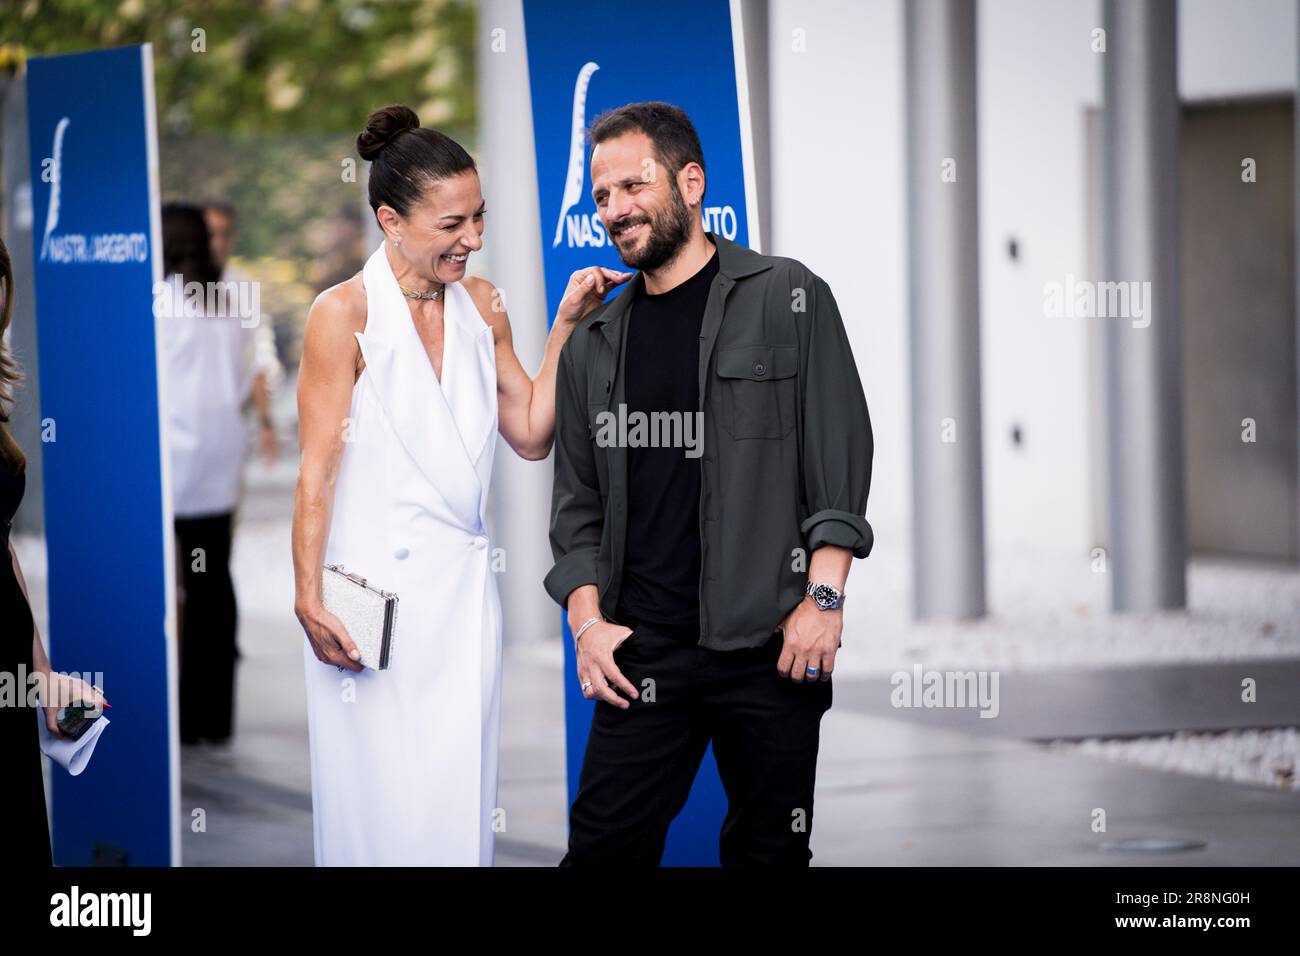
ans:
(244, 66)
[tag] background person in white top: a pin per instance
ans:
(268, 372)
(209, 354)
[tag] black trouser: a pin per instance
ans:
(640, 763)
(207, 632)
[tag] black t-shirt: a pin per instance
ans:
(661, 563)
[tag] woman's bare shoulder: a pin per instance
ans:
(342, 304)
(488, 302)
(335, 317)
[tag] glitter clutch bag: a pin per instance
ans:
(368, 613)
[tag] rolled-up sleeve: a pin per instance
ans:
(837, 444)
(577, 512)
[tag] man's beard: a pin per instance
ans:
(669, 230)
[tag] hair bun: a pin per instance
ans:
(383, 126)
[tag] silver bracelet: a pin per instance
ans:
(585, 624)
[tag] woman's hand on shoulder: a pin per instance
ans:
(586, 291)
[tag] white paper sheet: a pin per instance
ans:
(71, 755)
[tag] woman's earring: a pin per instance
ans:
(397, 242)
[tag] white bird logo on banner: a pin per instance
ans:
(577, 161)
(52, 216)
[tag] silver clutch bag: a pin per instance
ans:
(368, 613)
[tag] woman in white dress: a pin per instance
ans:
(407, 372)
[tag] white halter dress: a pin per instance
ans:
(404, 761)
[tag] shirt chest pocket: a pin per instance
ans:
(756, 385)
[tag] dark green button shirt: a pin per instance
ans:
(786, 455)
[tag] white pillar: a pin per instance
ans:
(520, 498)
(943, 266)
(755, 46)
(1143, 358)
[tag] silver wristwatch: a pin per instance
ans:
(824, 596)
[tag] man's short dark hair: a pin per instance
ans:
(669, 128)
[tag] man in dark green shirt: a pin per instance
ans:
(773, 463)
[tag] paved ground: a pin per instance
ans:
(891, 790)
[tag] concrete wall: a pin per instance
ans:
(838, 200)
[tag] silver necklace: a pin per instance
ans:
(413, 294)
